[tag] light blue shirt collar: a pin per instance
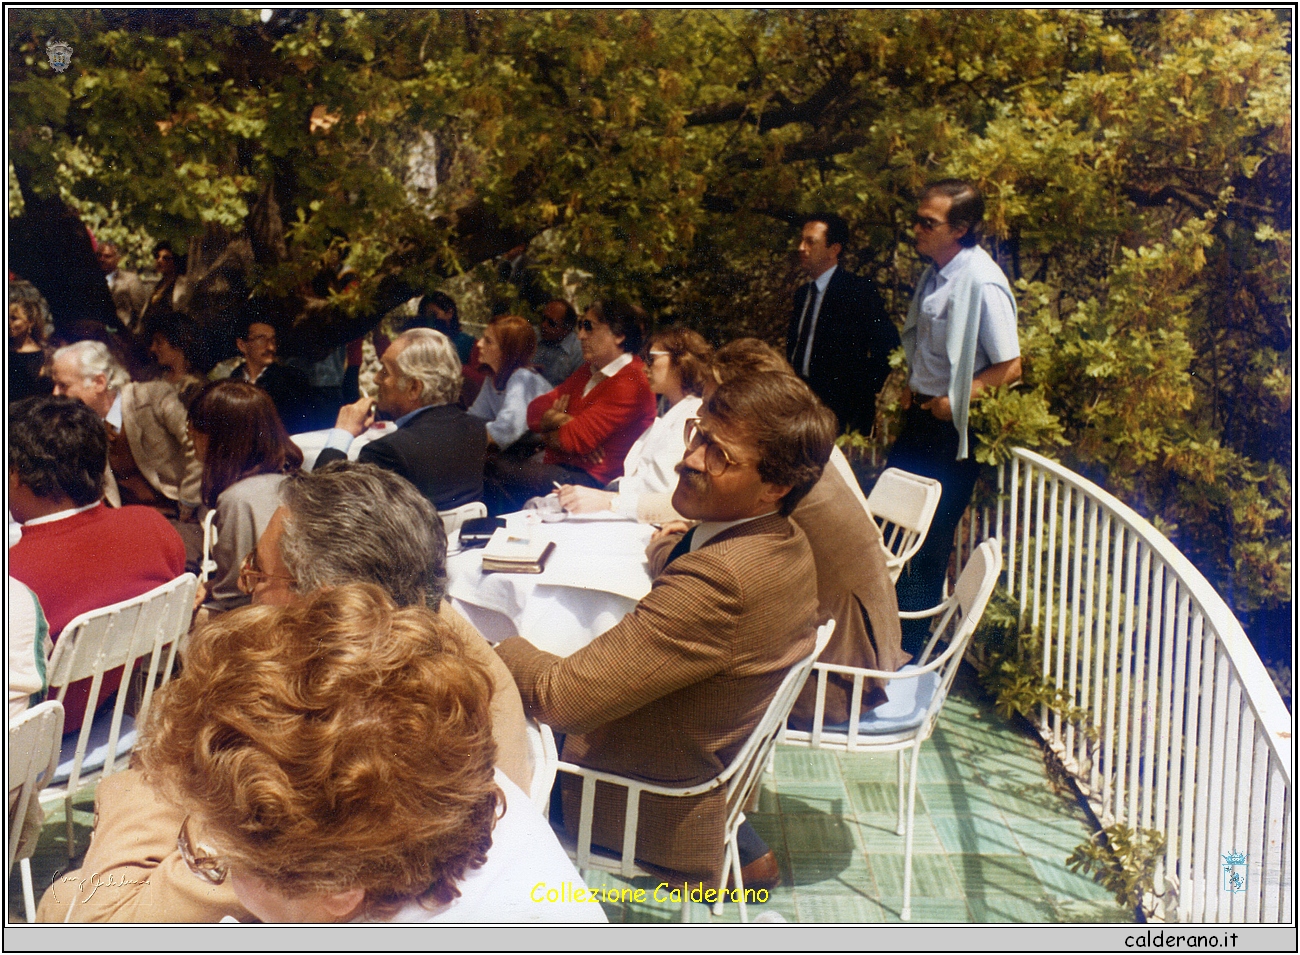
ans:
(401, 422)
(114, 416)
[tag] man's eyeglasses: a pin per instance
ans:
(716, 458)
(928, 224)
(201, 859)
(250, 574)
(585, 325)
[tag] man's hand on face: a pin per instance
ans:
(356, 417)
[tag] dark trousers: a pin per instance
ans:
(928, 446)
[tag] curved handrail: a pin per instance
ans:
(1262, 695)
(1168, 719)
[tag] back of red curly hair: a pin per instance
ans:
(336, 744)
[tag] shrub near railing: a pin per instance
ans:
(1148, 692)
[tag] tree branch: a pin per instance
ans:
(786, 112)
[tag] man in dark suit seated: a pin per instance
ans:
(437, 446)
(840, 337)
(671, 693)
(289, 388)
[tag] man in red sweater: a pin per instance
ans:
(76, 554)
(590, 422)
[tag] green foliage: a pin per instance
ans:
(1123, 861)
(1137, 166)
(1012, 654)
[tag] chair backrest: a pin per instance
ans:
(841, 464)
(546, 760)
(962, 613)
(209, 564)
(959, 615)
(116, 636)
(452, 519)
(747, 766)
(33, 753)
(903, 504)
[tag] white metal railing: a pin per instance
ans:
(1183, 731)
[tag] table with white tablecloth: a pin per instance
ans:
(594, 576)
(311, 443)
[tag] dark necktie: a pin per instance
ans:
(805, 327)
(683, 546)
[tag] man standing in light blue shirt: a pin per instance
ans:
(960, 338)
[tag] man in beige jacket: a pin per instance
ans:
(150, 456)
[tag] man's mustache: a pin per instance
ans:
(689, 474)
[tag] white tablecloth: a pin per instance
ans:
(595, 576)
(311, 443)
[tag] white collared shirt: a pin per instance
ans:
(609, 371)
(114, 416)
(931, 371)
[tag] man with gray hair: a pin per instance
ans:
(437, 446)
(150, 456)
(342, 523)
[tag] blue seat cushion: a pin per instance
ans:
(96, 747)
(904, 710)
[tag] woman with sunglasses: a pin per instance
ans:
(246, 452)
(675, 363)
(336, 762)
(590, 422)
(506, 348)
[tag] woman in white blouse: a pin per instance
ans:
(506, 347)
(675, 363)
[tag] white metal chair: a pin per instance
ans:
(740, 778)
(546, 759)
(33, 754)
(209, 563)
(96, 643)
(916, 692)
(903, 504)
(456, 516)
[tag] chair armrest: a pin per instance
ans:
(922, 614)
(877, 674)
(637, 784)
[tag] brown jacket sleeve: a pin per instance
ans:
(133, 871)
(677, 637)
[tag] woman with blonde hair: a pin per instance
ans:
(507, 348)
(335, 759)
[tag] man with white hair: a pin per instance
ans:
(437, 446)
(151, 459)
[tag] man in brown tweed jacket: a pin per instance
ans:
(672, 692)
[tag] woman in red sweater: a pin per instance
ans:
(591, 420)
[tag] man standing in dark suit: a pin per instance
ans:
(840, 337)
(437, 446)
